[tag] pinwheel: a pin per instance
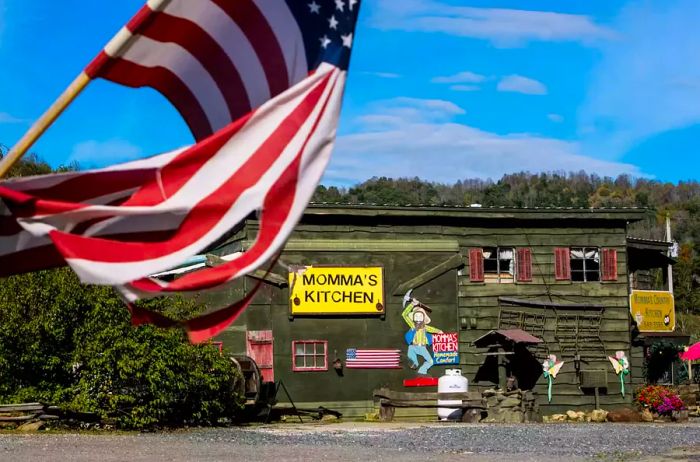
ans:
(622, 367)
(551, 367)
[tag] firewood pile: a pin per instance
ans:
(26, 416)
(34, 416)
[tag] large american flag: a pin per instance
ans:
(259, 83)
(358, 358)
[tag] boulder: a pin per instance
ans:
(624, 415)
(511, 402)
(31, 426)
(492, 401)
(647, 416)
(576, 416)
(558, 417)
(513, 416)
(597, 415)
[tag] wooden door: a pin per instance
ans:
(259, 347)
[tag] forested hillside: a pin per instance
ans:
(680, 201)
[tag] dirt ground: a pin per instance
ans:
(369, 442)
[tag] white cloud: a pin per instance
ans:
(6, 118)
(520, 84)
(461, 77)
(465, 88)
(402, 110)
(556, 118)
(646, 83)
(446, 151)
(384, 75)
(503, 27)
(92, 152)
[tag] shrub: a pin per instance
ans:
(72, 345)
(659, 399)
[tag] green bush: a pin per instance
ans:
(67, 344)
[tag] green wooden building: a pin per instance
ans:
(559, 274)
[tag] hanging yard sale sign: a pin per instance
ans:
(333, 290)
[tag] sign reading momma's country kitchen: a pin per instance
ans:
(653, 310)
(334, 290)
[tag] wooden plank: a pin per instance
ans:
(25, 407)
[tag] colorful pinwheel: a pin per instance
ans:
(551, 367)
(622, 367)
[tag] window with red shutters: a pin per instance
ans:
(562, 264)
(524, 262)
(476, 265)
(609, 267)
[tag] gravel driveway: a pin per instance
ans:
(367, 442)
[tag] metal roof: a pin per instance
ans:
(469, 212)
(496, 337)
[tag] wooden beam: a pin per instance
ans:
(454, 262)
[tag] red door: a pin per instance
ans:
(259, 347)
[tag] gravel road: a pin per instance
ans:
(369, 442)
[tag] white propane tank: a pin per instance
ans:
(452, 382)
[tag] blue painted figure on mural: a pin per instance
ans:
(419, 337)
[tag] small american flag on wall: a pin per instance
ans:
(372, 359)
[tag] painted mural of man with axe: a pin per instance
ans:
(420, 334)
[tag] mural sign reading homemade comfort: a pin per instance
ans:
(336, 290)
(653, 310)
(446, 348)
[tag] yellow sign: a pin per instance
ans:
(336, 290)
(653, 310)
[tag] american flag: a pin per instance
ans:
(372, 359)
(259, 83)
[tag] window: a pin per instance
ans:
(499, 264)
(310, 355)
(585, 264)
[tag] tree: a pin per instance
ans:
(70, 344)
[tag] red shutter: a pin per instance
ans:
(524, 262)
(476, 265)
(562, 264)
(609, 267)
(259, 346)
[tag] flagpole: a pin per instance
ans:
(44, 122)
(114, 48)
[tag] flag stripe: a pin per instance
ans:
(207, 212)
(288, 37)
(270, 236)
(198, 43)
(260, 36)
(169, 85)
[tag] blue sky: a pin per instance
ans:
(440, 89)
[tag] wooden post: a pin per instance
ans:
(44, 122)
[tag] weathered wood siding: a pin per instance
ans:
(452, 295)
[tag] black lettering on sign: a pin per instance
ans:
(309, 297)
(308, 279)
(372, 280)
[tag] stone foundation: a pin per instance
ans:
(515, 406)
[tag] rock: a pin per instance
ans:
(510, 402)
(558, 417)
(329, 418)
(680, 416)
(647, 416)
(575, 416)
(489, 392)
(31, 426)
(546, 419)
(513, 416)
(624, 415)
(491, 401)
(597, 415)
